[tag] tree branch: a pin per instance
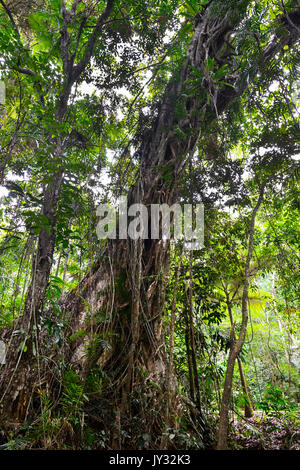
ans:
(290, 37)
(9, 14)
(24, 71)
(79, 68)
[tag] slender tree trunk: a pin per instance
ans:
(248, 402)
(171, 371)
(171, 377)
(189, 360)
(192, 339)
(236, 345)
(287, 350)
(20, 374)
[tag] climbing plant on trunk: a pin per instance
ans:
(126, 285)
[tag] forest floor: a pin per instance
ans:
(278, 431)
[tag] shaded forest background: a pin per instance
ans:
(123, 344)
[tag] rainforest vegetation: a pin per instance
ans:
(136, 344)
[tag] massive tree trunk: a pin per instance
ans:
(140, 268)
(137, 359)
(125, 288)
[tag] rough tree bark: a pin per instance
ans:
(162, 147)
(127, 281)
